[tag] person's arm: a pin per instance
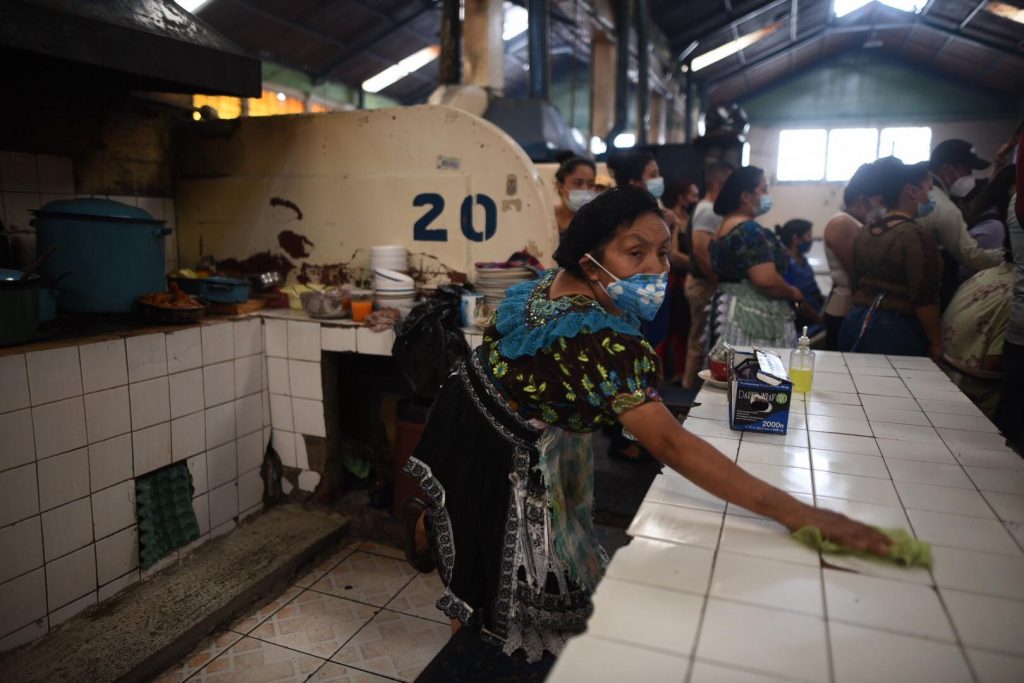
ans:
(701, 463)
(923, 268)
(676, 256)
(701, 240)
(840, 232)
(949, 228)
(929, 318)
(767, 279)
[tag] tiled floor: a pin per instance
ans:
(361, 616)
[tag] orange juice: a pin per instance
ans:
(361, 308)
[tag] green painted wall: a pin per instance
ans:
(331, 91)
(865, 86)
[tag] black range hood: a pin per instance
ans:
(142, 44)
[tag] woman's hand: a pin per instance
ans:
(935, 352)
(796, 296)
(843, 530)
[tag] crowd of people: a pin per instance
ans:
(925, 259)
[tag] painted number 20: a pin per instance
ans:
(422, 231)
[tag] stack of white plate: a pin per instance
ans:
(392, 289)
(492, 279)
(389, 256)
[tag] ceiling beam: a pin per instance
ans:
(709, 28)
(794, 9)
(963, 24)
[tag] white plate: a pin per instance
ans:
(708, 379)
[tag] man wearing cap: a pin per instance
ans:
(952, 165)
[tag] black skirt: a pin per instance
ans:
(487, 520)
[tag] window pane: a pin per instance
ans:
(801, 155)
(848, 148)
(911, 145)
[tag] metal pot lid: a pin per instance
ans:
(96, 208)
(10, 277)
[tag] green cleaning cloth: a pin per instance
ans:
(905, 549)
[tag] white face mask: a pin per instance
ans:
(962, 187)
(577, 198)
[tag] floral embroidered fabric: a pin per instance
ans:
(746, 245)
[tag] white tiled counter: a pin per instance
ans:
(708, 592)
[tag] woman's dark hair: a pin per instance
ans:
(628, 166)
(596, 222)
(893, 175)
(743, 179)
(792, 228)
(861, 184)
(674, 190)
(996, 195)
(568, 164)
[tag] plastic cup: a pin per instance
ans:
(361, 308)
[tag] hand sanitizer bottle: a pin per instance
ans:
(801, 364)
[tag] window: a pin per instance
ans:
(815, 154)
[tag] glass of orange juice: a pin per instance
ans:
(362, 306)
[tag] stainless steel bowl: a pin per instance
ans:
(323, 304)
(266, 281)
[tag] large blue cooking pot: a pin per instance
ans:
(111, 253)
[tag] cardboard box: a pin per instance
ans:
(759, 393)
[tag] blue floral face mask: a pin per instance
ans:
(641, 294)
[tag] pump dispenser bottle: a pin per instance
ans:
(801, 364)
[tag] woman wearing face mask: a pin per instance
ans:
(754, 304)
(896, 271)
(796, 236)
(574, 181)
(505, 462)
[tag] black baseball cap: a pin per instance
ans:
(958, 152)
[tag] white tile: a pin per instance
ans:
(21, 547)
(201, 506)
(682, 568)
(597, 660)
(833, 397)
(54, 374)
(954, 501)
(862, 489)
(221, 464)
(886, 516)
(219, 383)
(967, 422)
(303, 341)
(223, 504)
(968, 440)
(772, 454)
(728, 447)
(904, 432)
(854, 412)
(55, 174)
(20, 497)
(250, 489)
(23, 636)
(20, 172)
(880, 386)
(117, 555)
(889, 605)
(905, 417)
(65, 613)
(710, 412)
(992, 667)
(301, 454)
(999, 481)
(792, 437)
(197, 471)
(248, 414)
(309, 417)
(250, 451)
(22, 601)
(17, 446)
(374, 343)
(220, 425)
(248, 337)
(873, 360)
(768, 583)
(248, 375)
(284, 444)
(113, 509)
(218, 343)
(1009, 507)
(831, 381)
(759, 537)
(150, 403)
(893, 449)
(974, 572)
(254, 510)
(705, 672)
(782, 643)
(184, 350)
(277, 376)
(70, 577)
(265, 400)
(672, 488)
(733, 509)
(151, 448)
(849, 463)
(188, 436)
(860, 654)
(304, 380)
(935, 474)
(108, 413)
(958, 531)
(844, 442)
(337, 338)
(276, 332)
(104, 365)
(115, 587)
(838, 425)
(67, 528)
(987, 622)
(645, 615)
(993, 460)
(59, 426)
(687, 526)
(929, 393)
(932, 406)
(705, 428)
(63, 478)
(791, 479)
(14, 380)
(147, 357)
(187, 394)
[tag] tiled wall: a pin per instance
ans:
(79, 423)
(29, 181)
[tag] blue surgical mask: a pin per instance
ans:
(764, 206)
(577, 198)
(805, 247)
(656, 186)
(641, 294)
(925, 208)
